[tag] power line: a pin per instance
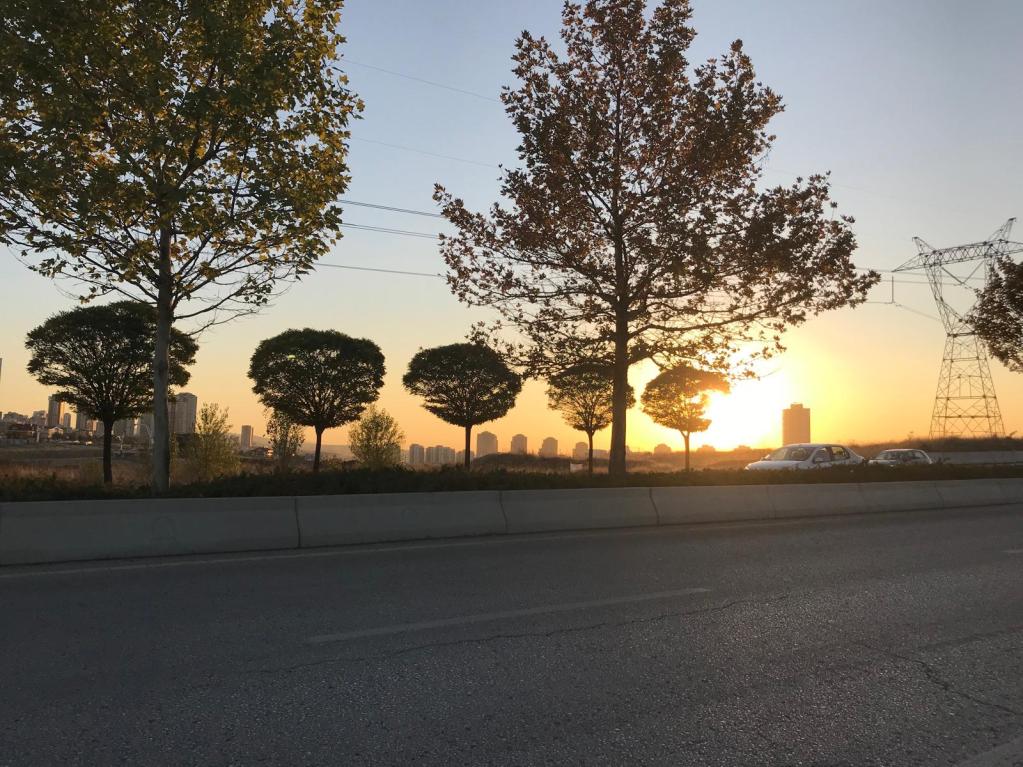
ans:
(382, 271)
(423, 151)
(391, 208)
(423, 80)
(388, 230)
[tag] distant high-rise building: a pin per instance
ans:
(185, 409)
(82, 421)
(124, 428)
(460, 457)
(581, 452)
(795, 424)
(519, 444)
(416, 455)
(662, 449)
(38, 418)
(54, 412)
(65, 421)
(486, 443)
(246, 440)
(549, 448)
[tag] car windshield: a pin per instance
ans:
(791, 453)
(888, 454)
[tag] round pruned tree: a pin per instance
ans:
(100, 358)
(464, 384)
(637, 224)
(583, 396)
(317, 378)
(678, 399)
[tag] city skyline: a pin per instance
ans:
(894, 177)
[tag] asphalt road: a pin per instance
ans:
(878, 640)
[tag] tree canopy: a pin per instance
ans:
(464, 384)
(678, 399)
(100, 359)
(998, 315)
(188, 155)
(583, 394)
(637, 225)
(317, 378)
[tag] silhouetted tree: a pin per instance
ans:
(211, 452)
(101, 360)
(375, 439)
(464, 384)
(318, 378)
(583, 394)
(285, 438)
(998, 315)
(677, 399)
(637, 226)
(184, 154)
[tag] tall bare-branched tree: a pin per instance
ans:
(637, 226)
(184, 153)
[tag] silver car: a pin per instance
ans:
(902, 457)
(806, 456)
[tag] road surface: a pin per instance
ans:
(875, 640)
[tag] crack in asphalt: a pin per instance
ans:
(522, 635)
(935, 678)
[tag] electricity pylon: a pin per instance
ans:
(965, 403)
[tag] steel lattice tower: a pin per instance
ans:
(965, 403)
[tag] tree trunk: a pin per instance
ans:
(161, 368)
(589, 436)
(316, 455)
(468, 441)
(619, 401)
(685, 438)
(108, 462)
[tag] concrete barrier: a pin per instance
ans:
(900, 496)
(818, 500)
(531, 511)
(684, 505)
(82, 530)
(961, 493)
(333, 520)
(64, 531)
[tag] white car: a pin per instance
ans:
(806, 456)
(902, 457)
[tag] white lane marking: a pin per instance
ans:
(1014, 551)
(465, 620)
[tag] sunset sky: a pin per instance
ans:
(914, 106)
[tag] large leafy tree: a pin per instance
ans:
(583, 395)
(464, 384)
(678, 399)
(317, 378)
(637, 226)
(211, 452)
(100, 358)
(998, 315)
(184, 153)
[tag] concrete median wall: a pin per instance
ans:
(65, 531)
(82, 530)
(333, 520)
(532, 511)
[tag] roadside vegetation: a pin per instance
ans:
(21, 485)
